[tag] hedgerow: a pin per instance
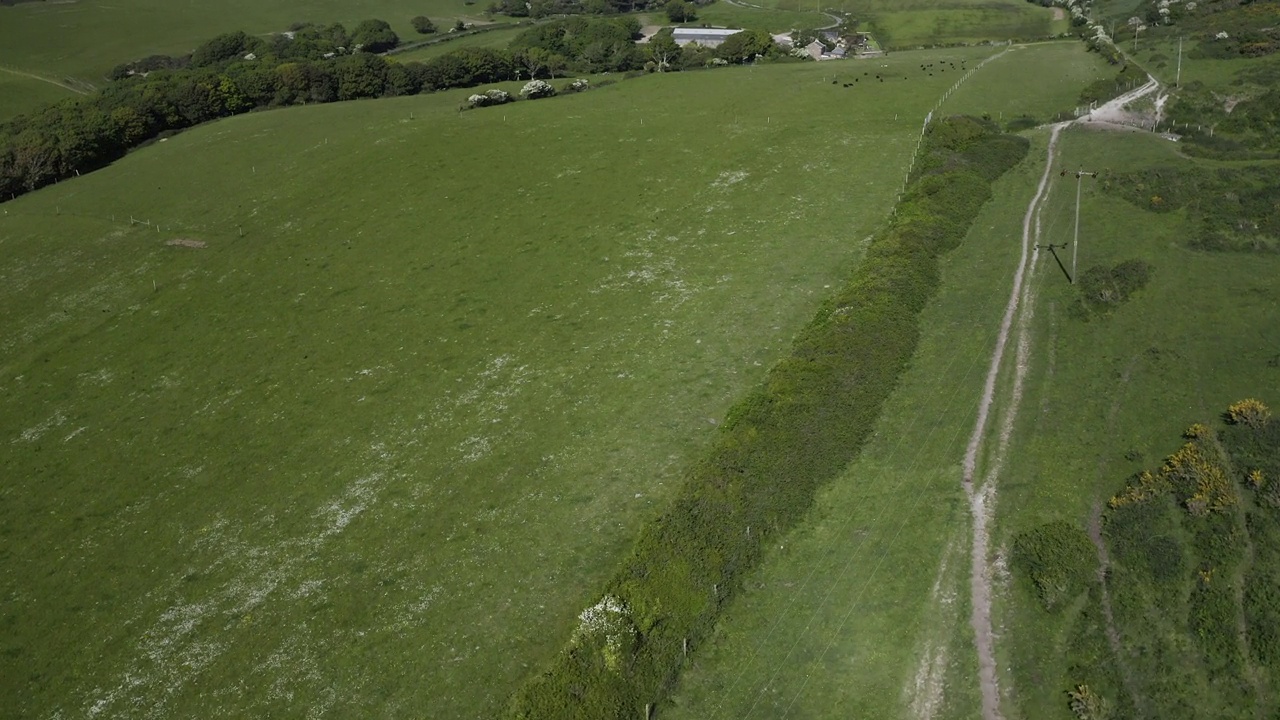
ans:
(798, 429)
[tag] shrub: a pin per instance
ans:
(423, 25)
(1086, 705)
(1057, 558)
(489, 97)
(1103, 289)
(535, 89)
(1249, 411)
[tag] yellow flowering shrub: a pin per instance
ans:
(1249, 411)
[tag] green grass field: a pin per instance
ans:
(774, 20)
(898, 24)
(488, 39)
(21, 92)
(84, 40)
(375, 455)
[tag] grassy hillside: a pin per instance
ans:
(499, 38)
(374, 454)
(84, 40)
(899, 24)
(1108, 394)
(19, 92)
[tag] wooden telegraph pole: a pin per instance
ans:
(1075, 243)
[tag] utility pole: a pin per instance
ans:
(1178, 81)
(1075, 243)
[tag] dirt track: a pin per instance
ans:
(982, 500)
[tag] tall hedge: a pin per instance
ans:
(799, 429)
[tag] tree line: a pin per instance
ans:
(236, 73)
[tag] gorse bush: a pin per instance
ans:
(1231, 209)
(798, 429)
(1195, 577)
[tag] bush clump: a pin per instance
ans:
(1103, 289)
(535, 89)
(1057, 558)
(489, 97)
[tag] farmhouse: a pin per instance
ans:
(706, 37)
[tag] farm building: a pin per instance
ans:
(706, 37)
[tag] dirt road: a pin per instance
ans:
(982, 499)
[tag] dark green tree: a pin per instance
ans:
(680, 11)
(223, 48)
(361, 76)
(374, 36)
(746, 45)
(423, 25)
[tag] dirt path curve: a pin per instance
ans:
(981, 500)
(1113, 112)
(41, 78)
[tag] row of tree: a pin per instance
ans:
(237, 73)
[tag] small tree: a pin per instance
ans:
(423, 25)
(680, 11)
(374, 36)
(664, 51)
(534, 60)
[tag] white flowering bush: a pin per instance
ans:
(579, 85)
(535, 89)
(489, 97)
(607, 624)
(1222, 35)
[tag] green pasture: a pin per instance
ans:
(84, 40)
(899, 24)
(373, 448)
(774, 20)
(20, 92)
(1038, 80)
(497, 39)
(1111, 396)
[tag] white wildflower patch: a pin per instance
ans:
(35, 432)
(607, 623)
(729, 177)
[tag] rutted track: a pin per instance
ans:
(981, 500)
